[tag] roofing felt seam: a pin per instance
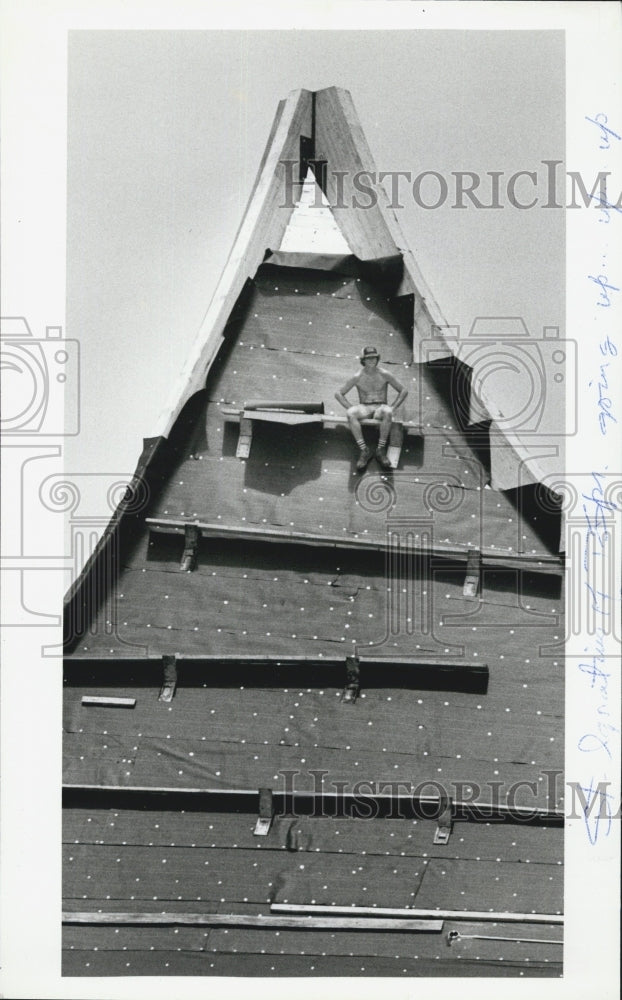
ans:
(176, 962)
(238, 874)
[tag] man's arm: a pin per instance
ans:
(399, 388)
(340, 396)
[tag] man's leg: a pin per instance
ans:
(355, 415)
(384, 414)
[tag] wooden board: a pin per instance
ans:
(108, 701)
(260, 920)
(340, 141)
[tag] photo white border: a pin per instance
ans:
(34, 65)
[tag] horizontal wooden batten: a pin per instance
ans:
(406, 914)
(282, 661)
(286, 414)
(423, 806)
(311, 922)
(544, 562)
(106, 702)
(327, 419)
(418, 673)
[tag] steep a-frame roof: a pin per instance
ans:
(321, 131)
(322, 127)
(291, 637)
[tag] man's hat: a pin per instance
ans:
(369, 352)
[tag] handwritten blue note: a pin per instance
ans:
(603, 283)
(599, 730)
(601, 120)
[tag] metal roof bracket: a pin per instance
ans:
(444, 822)
(353, 680)
(472, 580)
(396, 439)
(245, 439)
(169, 683)
(192, 535)
(266, 813)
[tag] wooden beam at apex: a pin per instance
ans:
(371, 230)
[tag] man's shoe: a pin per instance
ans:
(382, 458)
(364, 458)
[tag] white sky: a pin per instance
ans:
(165, 132)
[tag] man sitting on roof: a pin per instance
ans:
(372, 385)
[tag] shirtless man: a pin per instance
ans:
(372, 385)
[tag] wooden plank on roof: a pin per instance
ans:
(497, 916)
(545, 562)
(340, 141)
(372, 231)
(106, 701)
(498, 941)
(343, 922)
(223, 772)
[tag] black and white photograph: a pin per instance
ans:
(322, 448)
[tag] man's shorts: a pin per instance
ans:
(372, 411)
